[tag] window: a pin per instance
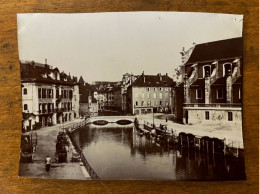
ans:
(160, 95)
(154, 95)
(142, 103)
(219, 93)
(226, 69)
(154, 89)
(25, 91)
(43, 108)
(198, 94)
(43, 93)
(207, 115)
(49, 93)
(40, 108)
(25, 107)
(57, 93)
(160, 89)
(148, 89)
(230, 116)
(136, 103)
(39, 93)
(149, 103)
(206, 70)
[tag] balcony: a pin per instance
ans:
(213, 105)
(60, 110)
(47, 111)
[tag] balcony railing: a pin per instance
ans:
(212, 105)
(47, 111)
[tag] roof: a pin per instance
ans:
(199, 82)
(220, 81)
(222, 49)
(34, 73)
(239, 80)
(27, 115)
(153, 81)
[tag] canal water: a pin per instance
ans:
(120, 152)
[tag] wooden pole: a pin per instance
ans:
(207, 146)
(213, 147)
(188, 141)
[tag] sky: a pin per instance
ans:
(104, 46)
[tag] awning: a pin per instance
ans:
(198, 83)
(219, 81)
(239, 80)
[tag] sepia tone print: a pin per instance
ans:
(115, 99)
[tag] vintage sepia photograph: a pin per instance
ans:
(131, 96)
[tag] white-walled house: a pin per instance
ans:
(48, 96)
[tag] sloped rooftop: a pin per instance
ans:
(222, 49)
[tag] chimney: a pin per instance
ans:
(33, 64)
(159, 74)
(45, 61)
(166, 74)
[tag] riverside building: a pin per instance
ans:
(150, 92)
(211, 87)
(49, 96)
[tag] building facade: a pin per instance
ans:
(88, 99)
(48, 96)
(127, 81)
(212, 83)
(149, 93)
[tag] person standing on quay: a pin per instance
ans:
(48, 163)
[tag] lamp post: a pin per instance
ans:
(153, 116)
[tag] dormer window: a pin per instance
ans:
(227, 69)
(44, 75)
(206, 70)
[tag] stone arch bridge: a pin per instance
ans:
(111, 119)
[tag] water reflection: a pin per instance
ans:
(117, 152)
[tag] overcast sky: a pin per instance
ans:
(104, 46)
